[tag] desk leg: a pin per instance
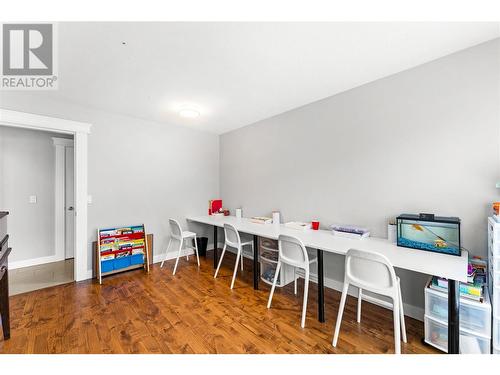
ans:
(4, 305)
(321, 288)
(216, 258)
(453, 317)
(256, 273)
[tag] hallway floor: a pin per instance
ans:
(27, 279)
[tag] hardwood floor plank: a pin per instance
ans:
(192, 312)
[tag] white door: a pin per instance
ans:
(69, 203)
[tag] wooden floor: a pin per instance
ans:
(192, 312)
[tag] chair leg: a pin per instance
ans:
(295, 280)
(196, 249)
(236, 267)
(241, 260)
(166, 253)
(278, 267)
(220, 260)
(304, 304)
(178, 255)
(402, 314)
(339, 315)
(397, 327)
(360, 294)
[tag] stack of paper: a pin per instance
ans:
(298, 225)
(349, 231)
(261, 220)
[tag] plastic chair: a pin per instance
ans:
(372, 272)
(177, 234)
(232, 239)
(293, 252)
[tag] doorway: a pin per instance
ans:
(27, 192)
(80, 132)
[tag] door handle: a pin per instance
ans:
(71, 208)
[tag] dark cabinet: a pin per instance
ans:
(4, 276)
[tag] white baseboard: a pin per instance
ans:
(171, 255)
(88, 276)
(34, 262)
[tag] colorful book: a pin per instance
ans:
(214, 206)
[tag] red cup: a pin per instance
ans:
(315, 224)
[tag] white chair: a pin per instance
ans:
(232, 239)
(293, 252)
(177, 234)
(372, 272)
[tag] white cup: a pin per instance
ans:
(391, 233)
(238, 213)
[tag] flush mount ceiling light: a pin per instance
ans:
(189, 113)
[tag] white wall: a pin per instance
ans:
(139, 171)
(27, 168)
(424, 140)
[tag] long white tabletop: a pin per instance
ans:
(448, 266)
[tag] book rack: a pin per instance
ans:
(121, 249)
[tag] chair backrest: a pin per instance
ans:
(371, 271)
(232, 237)
(175, 229)
(292, 251)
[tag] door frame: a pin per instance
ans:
(60, 145)
(80, 132)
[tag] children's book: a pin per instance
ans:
(214, 206)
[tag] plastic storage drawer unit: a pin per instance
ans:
(474, 316)
(495, 294)
(495, 279)
(493, 230)
(495, 264)
(494, 247)
(436, 334)
(496, 332)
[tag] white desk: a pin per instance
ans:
(451, 267)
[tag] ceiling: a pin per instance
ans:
(235, 74)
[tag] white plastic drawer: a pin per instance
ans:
(436, 334)
(269, 243)
(493, 247)
(496, 302)
(269, 255)
(474, 316)
(493, 231)
(267, 272)
(495, 264)
(495, 279)
(496, 332)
